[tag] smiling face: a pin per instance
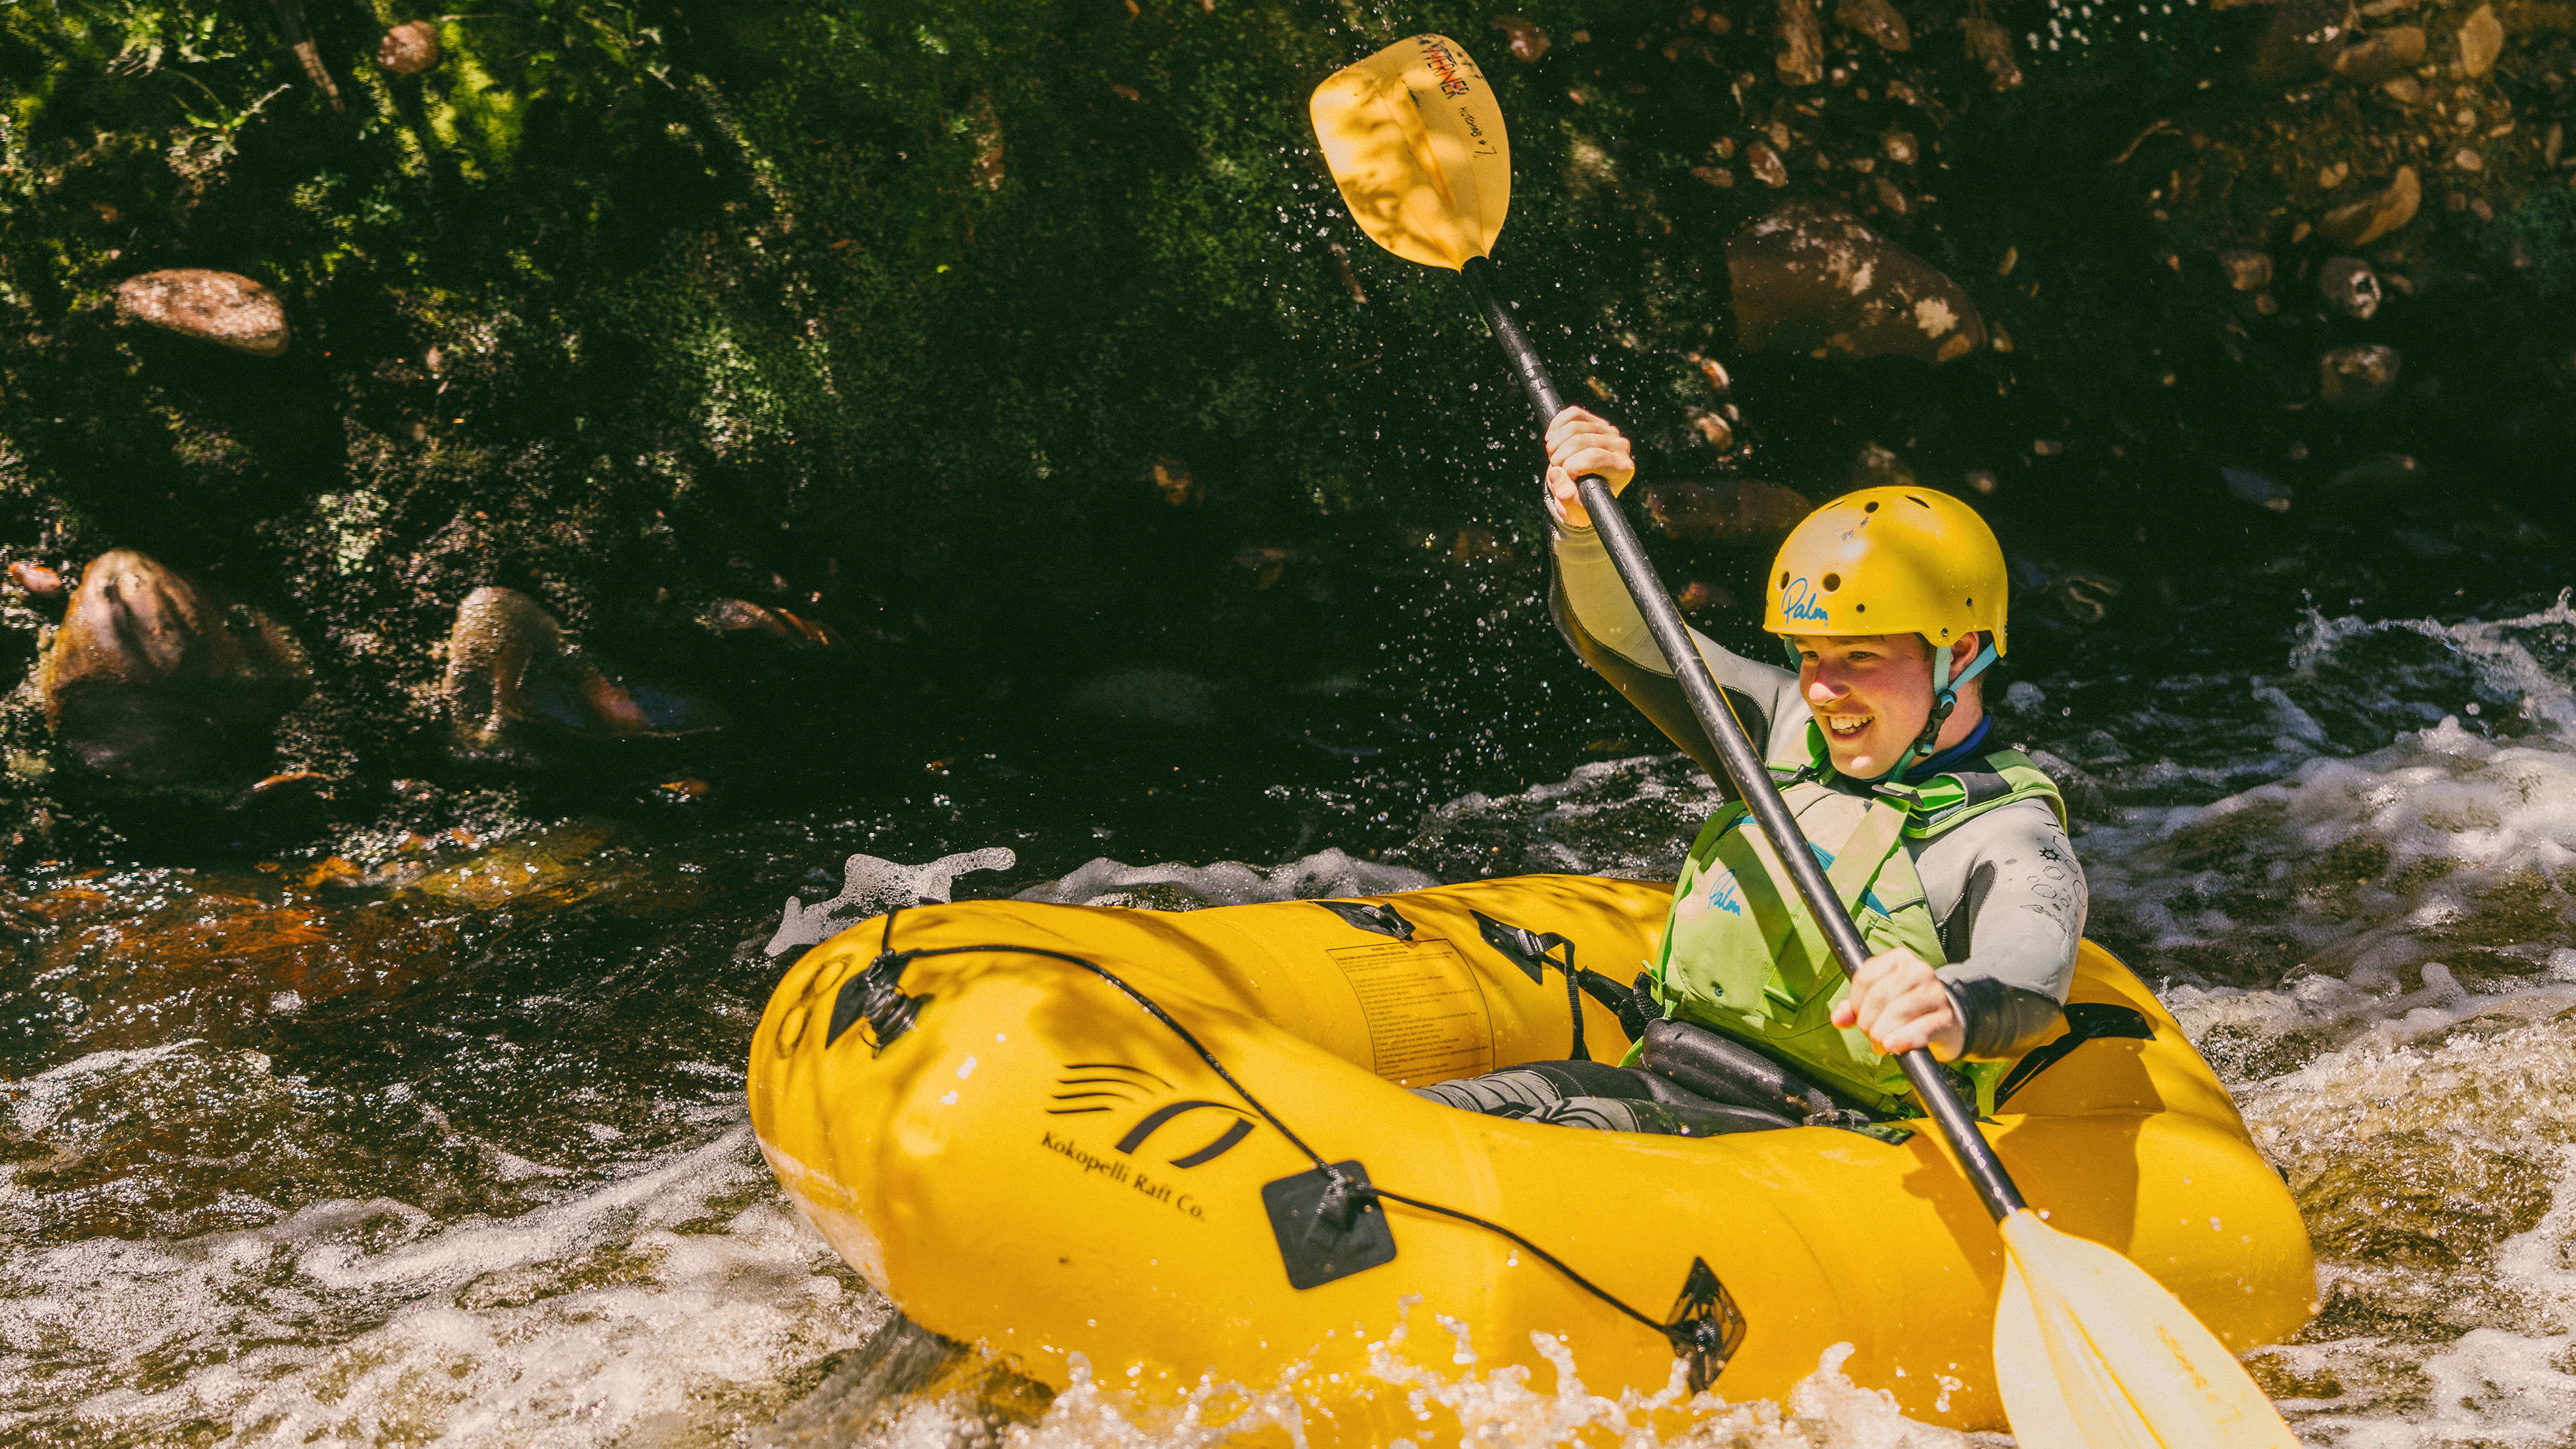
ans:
(1872, 693)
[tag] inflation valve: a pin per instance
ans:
(876, 997)
(1706, 1327)
(1329, 1224)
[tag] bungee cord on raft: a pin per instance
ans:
(1696, 1338)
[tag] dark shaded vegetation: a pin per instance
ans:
(886, 313)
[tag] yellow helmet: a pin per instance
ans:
(1889, 561)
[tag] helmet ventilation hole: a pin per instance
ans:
(1917, 502)
(1833, 582)
(1784, 578)
(1860, 608)
(1869, 508)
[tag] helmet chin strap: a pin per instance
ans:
(1945, 698)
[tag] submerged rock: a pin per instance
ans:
(39, 581)
(2354, 379)
(2302, 37)
(1801, 58)
(1991, 46)
(1527, 41)
(2381, 475)
(2350, 287)
(1740, 510)
(2481, 41)
(1876, 19)
(2246, 270)
(1813, 276)
(409, 48)
(1767, 166)
(219, 307)
(155, 677)
(2256, 489)
(1174, 483)
(516, 681)
(741, 616)
(2376, 215)
(2383, 57)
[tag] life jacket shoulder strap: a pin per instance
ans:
(1997, 778)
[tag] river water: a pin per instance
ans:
(442, 1141)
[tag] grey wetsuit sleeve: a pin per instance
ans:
(1594, 613)
(2009, 895)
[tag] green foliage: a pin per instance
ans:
(2546, 227)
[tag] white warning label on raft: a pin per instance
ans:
(1426, 1011)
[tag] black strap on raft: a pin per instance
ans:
(1378, 917)
(1533, 953)
(2085, 1021)
(1330, 1222)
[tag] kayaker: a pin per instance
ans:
(1951, 848)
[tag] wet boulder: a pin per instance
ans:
(2362, 222)
(1813, 277)
(1737, 511)
(2481, 41)
(409, 48)
(745, 619)
(2246, 270)
(2256, 489)
(1991, 45)
(1528, 42)
(1801, 58)
(2381, 478)
(2350, 287)
(1767, 166)
(1174, 483)
(2303, 37)
(2358, 378)
(519, 687)
(157, 677)
(218, 307)
(36, 579)
(2377, 59)
(1876, 19)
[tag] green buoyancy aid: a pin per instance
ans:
(1741, 955)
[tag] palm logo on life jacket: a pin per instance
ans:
(1742, 956)
(1723, 895)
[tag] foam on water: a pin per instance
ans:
(2353, 880)
(683, 1297)
(1505, 1408)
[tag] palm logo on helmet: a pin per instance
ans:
(1894, 561)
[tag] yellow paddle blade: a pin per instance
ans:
(2091, 1353)
(1415, 141)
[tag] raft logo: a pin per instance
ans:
(1089, 1087)
(1122, 1173)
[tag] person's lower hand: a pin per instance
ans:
(1578, 443)
(1898, 999)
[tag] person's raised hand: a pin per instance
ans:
(1578, 443)
(1900, 1002)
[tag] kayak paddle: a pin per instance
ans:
(2090, 1352)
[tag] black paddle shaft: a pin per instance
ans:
(1735, 750)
